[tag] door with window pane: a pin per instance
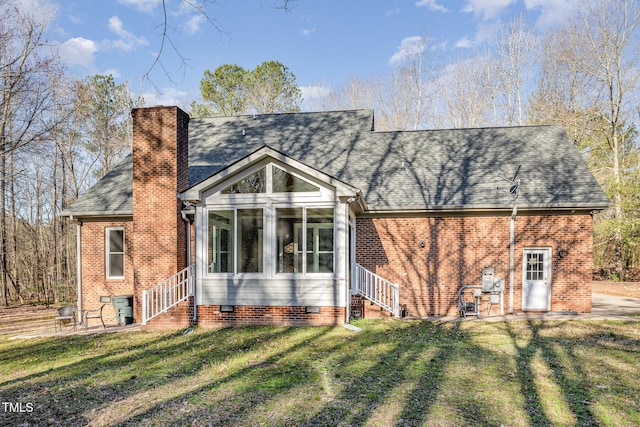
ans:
(536, 279)
(319, 248)
(319, 242)
(220, 256)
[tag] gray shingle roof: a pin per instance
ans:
(405, 170)
(112, 195)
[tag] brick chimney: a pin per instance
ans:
(160, 171)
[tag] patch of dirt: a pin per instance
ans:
(21, 319)
(622, 289)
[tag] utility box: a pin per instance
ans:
(123, 305)
(487, 279)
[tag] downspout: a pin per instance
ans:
(188, 226)
(512, 241)
(351, 244)
(348, 285)
(79, 265)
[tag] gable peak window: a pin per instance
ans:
(251, 184)
(270, 179)
(285, 182)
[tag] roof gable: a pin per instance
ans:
(265, 155)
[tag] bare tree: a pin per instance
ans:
(408, 88)
(514, 55)
(609, 30)
(465, 95)
(590, 84)
(25, 98)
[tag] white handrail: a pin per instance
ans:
(166, 294)
(377, 289)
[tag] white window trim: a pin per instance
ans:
(236, 243)
(269, 245)
(268, 196)
(548, 267)
(107, 253)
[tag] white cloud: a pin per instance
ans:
(141, 5)
(464, 43)
(113, 72)
(192, 25)
(552, 12)
(409, 47)
(392, 12)
(487, 9)
(432, 5)
(488, 12)
(78, 51)
(314, 92)
(166, 96)
(127, 41)
(306, 32)
(487, 31)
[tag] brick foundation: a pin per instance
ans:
(211, 316)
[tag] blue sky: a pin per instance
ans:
(323, 42)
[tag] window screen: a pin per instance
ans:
(115, 253)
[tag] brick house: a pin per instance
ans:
(310, 218)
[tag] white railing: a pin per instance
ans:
(166, 294)
(377, 289)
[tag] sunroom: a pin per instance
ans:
(273, 232)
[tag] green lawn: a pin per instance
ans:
(393, 373)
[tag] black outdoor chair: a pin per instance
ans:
(66, 315)
(93, 314)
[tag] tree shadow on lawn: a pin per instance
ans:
(394, 373)
(566, 363)
(61, 395)
(364, 369)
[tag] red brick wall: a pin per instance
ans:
(456, 248)
(94, 281)
(159, 171)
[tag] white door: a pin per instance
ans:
(536, 279)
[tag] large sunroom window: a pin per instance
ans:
(228, 242)
(319, 242)
(263, 227)
(308, 251)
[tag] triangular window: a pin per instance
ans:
(250, 184)
(284, 182)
